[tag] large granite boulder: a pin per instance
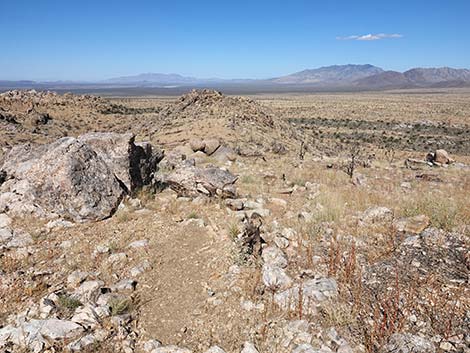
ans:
(66, 178)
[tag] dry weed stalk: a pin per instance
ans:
(334, 257)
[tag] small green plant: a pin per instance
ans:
(233, 231)
(120, 306)
(67, 304)
(192, 215)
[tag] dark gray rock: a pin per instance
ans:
(66, 178)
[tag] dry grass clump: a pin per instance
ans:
(442, 211)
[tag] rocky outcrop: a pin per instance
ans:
(133, 164)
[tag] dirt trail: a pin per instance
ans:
(175, 291)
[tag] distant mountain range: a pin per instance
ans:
(153, 78)
(330, 75)
(415, 78)
(336, 77)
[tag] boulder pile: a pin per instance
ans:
(85, 178)
(199, 104)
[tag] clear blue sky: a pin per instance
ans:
(88, 40)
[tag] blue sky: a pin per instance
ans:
(90, 40)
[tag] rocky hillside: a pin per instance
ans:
(220, 236)
(31, 116)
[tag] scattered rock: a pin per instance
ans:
(307, 348)
(215, 349)
(407, 343)
(171, 349)
(274, 257)
(296, 333)
(314, 291)
(76, 278)
(234, 204)
(5, 235)
(140, 269)
(359, 179)
(117, 258)
(139, 244)
(249, 348)
(377, 214)
(124, 285)
(82, 343)
(197, 144)
(87, 317)
(415, 164)
(278, 148)
(19, 240)
(5, 221)
(413, 225)
(150, 345)
(224, 154)
(278, 202)
(275, 278)
(58, 223)
(210, 146)
(88, 290)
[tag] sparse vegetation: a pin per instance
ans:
(205, 283)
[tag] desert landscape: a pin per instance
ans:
(206, 222)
